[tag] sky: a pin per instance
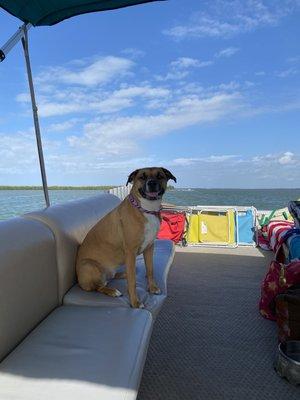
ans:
(209, 90)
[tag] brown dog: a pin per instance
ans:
(128, 230)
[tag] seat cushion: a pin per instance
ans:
(70, 223)
(28, 279)
(79, 353)
(163, 257)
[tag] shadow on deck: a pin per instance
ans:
(209, 341)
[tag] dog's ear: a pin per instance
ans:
(132, 176)
(169, 175)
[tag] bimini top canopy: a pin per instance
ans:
(50, 12)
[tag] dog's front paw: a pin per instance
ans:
(137, 304)
(154, 289)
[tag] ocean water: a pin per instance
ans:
(262, 199)
(17, 202)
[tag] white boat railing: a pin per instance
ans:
(121, 191)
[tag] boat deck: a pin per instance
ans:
(209, 341)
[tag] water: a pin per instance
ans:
(17, 202)
(262, 199)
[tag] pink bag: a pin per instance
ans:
(279, 278)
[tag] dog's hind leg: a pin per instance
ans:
(113, 292)
(120, 275)
(91, 276)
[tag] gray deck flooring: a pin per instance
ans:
(209, 341)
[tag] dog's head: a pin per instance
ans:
(150, 183)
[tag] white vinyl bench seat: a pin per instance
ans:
(58, 342)
(79, 353)
(163, 257)
(70, 222)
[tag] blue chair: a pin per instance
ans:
(246, 234)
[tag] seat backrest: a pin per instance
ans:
(70, 222)
(28, 279)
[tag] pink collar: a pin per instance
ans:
(135, 204)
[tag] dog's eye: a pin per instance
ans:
(143, 177)
(159, 176)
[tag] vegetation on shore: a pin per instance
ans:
(64, 187)
(57, 187)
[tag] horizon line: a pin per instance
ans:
(103, 187)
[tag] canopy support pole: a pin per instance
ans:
(12, 41)
(24, 39)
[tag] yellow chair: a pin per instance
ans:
(217, 227)
(192, 235)
(214, 227)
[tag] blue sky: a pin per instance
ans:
(210, 90)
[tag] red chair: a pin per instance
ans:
(172, 226)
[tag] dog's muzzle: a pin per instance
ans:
(151, 190)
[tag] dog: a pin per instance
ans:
(128, 230)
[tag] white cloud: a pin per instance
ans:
(228, 52)
(81, 165)
(187, 62)
(205, 26)
(222, 158)
(19, 156)
(210, 159)
(127, 96)
(260, 73)
(233, 85)
(63, 126)
(49, 109)
(117, 133)
(99, 72)
(12, 146)
(23, 98)
(180, 68)
(226, 18)
(183, 161)
(287, 72)
(287, 158)
(173, 75)
(293, 60)
(133, 52)
(122, 134)
(264, 170)
(271, 160)
(112, 104)
(18, 152)
(70, 100)
(142, 91)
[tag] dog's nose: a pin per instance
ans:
(152, 184)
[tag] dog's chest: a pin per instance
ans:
(150, 231)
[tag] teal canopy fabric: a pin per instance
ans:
(50, 12)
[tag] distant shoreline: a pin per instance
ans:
(57, 187)
(8, 187)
